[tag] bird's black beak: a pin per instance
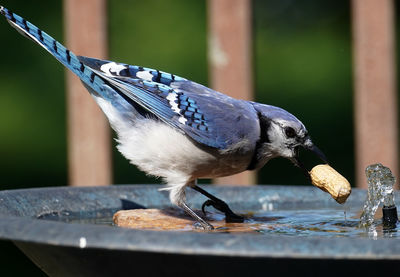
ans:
(309, 146)
(318, 152)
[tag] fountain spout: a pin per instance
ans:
(380, 189)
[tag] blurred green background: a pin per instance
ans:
(302, 63)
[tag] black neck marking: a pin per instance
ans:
(265, 124)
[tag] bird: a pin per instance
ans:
(177, 129)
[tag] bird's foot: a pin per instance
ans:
(223, 207)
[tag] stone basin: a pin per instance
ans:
(37, 222)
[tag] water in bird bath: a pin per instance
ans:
(332, 222)
(335, 221)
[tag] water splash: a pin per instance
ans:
(380, 189)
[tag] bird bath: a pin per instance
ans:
(66, 231)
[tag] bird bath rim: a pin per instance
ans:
(19, 210)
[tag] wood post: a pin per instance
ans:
(375, 86)
(229, 53)
(89, 153)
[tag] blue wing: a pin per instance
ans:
(207, 116)
(232, 121)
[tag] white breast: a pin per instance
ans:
(162, 151)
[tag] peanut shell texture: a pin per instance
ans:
(329, 180)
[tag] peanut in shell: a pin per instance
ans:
(329, 180)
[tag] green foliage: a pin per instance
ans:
(303, 64)
(32, 103)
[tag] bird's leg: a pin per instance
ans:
(177, 196)
(204, 224)
(218, 204)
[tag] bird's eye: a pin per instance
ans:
(290, 132)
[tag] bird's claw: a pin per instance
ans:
(206, 204)
(223, 207)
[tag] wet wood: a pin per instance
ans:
(176, 220)
(168, 219)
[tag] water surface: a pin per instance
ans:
(301, 223)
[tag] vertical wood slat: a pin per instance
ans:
(229, 49)
(375, 86)
(89, 154)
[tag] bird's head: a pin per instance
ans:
(283, 135)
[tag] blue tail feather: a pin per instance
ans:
(55, 48)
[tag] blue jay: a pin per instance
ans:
(176, 129)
